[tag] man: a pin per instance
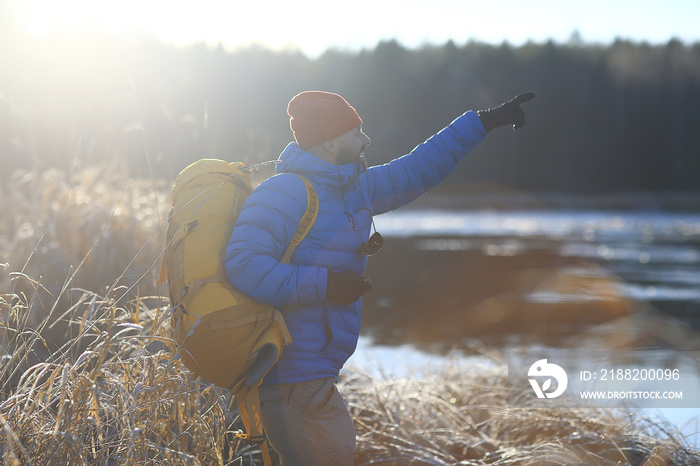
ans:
(319, 291)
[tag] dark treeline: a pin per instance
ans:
(614, 118)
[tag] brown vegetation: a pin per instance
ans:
(460, 417)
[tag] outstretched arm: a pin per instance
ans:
(404, 179)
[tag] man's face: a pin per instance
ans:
(351, 146)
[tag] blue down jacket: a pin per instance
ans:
(325, 335)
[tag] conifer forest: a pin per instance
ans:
(612, 118)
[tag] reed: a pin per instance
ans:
(459, 416)
(114, 394)
(62, 234)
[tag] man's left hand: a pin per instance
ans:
(508, 113)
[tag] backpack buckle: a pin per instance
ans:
(254, 439)
(179, 311)
(257, 440)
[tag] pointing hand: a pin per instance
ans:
(508, 113)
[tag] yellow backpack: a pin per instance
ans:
(224, 336)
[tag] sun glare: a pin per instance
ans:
(277, 24)
(177, 22)
(44, 17)
(314, 25)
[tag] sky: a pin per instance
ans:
(313, 26)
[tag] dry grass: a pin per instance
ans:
(89, 377)
(115, 394)
(94, 230)
(95, 226)
(89, 374)
(460, 417)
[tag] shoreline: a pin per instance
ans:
(481, 197)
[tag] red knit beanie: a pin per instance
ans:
(317, 116)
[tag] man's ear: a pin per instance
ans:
(331, 146)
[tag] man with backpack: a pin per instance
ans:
(319, 290)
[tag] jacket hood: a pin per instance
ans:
(294, 159)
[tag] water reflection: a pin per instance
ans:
(541, 276)
(579, 280)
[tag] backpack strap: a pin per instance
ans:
(249, 406)
(306, 222)
(248, 396)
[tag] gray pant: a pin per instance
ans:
(308, 424)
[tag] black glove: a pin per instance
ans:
(508, 113)
(345, 287)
